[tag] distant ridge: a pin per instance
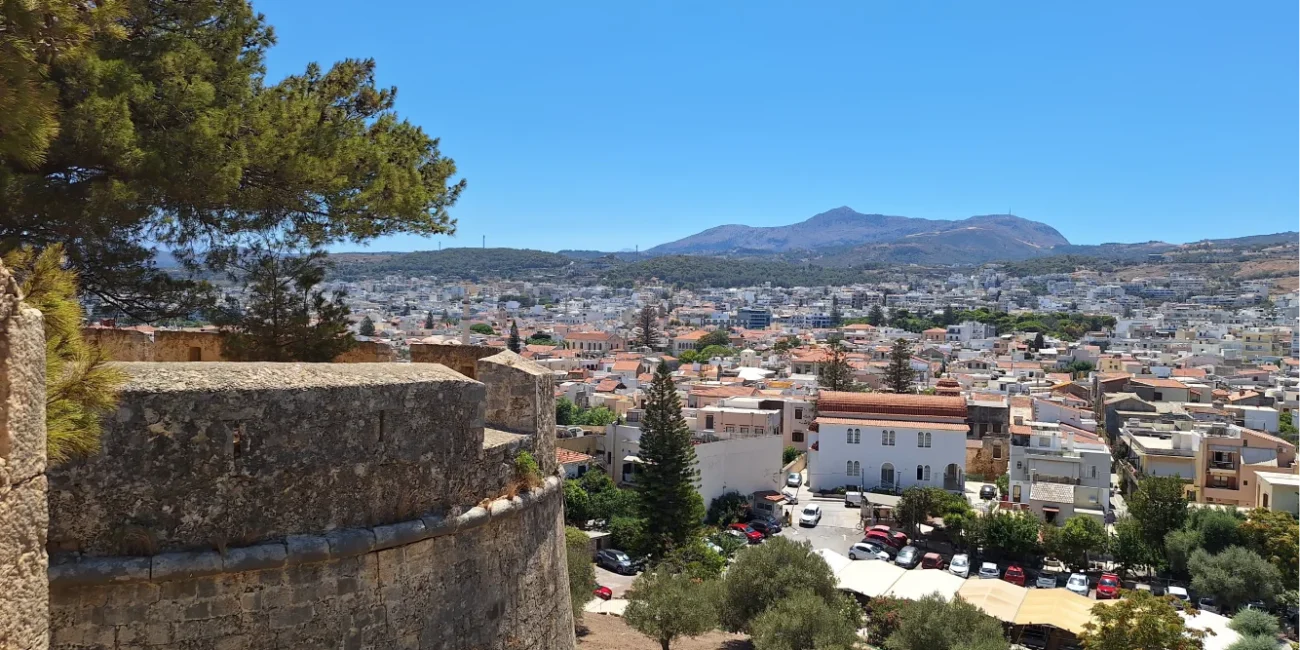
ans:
(882, 237)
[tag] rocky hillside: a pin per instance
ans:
(882, 237)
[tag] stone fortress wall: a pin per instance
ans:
(248, 505)
(24, 603)
(199, 345)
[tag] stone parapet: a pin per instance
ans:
(209, 455)
(24, 517)
(294, 550)
(488, 577)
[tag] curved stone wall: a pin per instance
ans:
(250, 505)
(205, 455)
(493, 576)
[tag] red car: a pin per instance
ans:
(603, 593)
(752, 535)
(1015, 575)
(887, 535)
(1108, 586)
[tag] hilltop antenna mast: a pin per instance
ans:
(485, 241)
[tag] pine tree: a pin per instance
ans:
(949, 316)
(1039, 343)
(513, 342)
(285, 318)
(670, 506)
(173, 138)
(836, 373)
(428, 320)
(367, 327)
(836, 318)
(646, 333)
(876, 317)
(80, 386)
(899, 375)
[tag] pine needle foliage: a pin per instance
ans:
(670, 505)
(80, 385)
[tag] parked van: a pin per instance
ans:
(853, 499)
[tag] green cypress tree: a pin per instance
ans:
(836, 374)
(876, 317)
(428, 320)
(513, 341)
(670, 505)
(367, 327)
(899, 375)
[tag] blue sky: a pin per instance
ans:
(604, 125)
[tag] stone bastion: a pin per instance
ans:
(259, 505)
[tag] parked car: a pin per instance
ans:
(1108, 586)
(811, 515)
(616, 561)
(908, 557)
(867, 551)
(988, 492)
(1207, 603)
(852, 499)
(932, 561)
(766, 525)
(989, 570)
(1015, 575)
(1179, 592)
(895, 538)
(1045, 581)
(1078, 583)
(752, 536)
(960, 565)
(791, 496)
(602, 592)
(794, 480)
(738, 534)
(713, 547)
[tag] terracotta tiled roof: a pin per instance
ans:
(892, 404)
(1020, 429)
(565, 456)
(928, 426)
(588, 336)
(608, 385)
(723, 391)
(1156, 382)
(622, 366)
(1195, 373)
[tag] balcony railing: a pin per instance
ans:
(1057, 453)
(1223, 464)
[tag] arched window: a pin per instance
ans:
(887, 438)
(923, 439)
(853, 468)
(927, 472)
(848, 433)
(857, 436)
(919, 476)
(887, 475)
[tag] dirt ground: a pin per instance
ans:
(611, 633)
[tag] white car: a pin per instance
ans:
(795, 479)
(1180, 593)
(867, 551)
(811, 515)
(989, 570)
(791, 496)
(1078, 583)
(960, 565)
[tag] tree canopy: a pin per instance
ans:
(671, 507)
(1234, 577)
(807, 621)
(1139, 621)
(899, 374)
(763, 576)
(169, 136)
(933, 623)
(666, 605)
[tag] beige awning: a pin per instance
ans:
(997, 598)
(1055, 607)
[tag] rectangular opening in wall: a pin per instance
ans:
(196, 353)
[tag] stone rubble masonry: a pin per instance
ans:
(24, 604)
(246, 505)
(486, 577)
(461, 358)
(206, 455)
(193, 345)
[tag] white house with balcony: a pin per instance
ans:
(1059, 471)
(876, 440)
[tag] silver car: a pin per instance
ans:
(795, 479)
(960, 565)
(1078, 583)
(989, 570)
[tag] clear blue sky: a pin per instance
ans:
(604, 125)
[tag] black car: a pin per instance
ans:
(616, 561)
(988, 492)
(908, 557)
(768, 527)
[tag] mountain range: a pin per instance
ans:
(978, 238)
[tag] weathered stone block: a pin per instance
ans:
(351, 541)
(399, 534)
(180, 566)
(254, 558)
(307, 548)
